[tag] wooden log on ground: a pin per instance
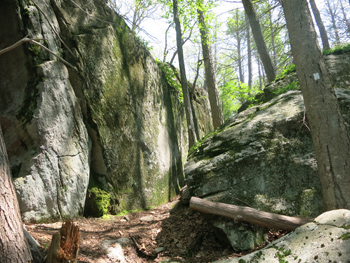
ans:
(64, 245)
(248, 214)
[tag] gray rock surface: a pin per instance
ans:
(327, 239)
(113, 121)
(262, 158)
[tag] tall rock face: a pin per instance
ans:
(111, 121)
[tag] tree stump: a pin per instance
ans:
(64, 245)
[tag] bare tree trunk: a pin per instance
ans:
(13, 244)
(210, 72)
(192, 138)
(249, 47)
(329, 135)
(334, 23)
(248, 214)
(347, 21)
(239, 50)
(320, 25)
(272, 39)
(259, 40)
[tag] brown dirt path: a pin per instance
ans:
(180, 235)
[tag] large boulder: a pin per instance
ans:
(262, 158)
(327, 239)
(110, 122)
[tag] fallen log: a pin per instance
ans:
(64, 244)
(248, 214)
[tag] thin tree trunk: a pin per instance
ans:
(249, 47)
(259, 72)
(239, 50)
(259, 40)
(192, 138)
(210, 72)
(13, 244)
(329, 135)
(347, 21)
(320, 25)
(272, 39)
(334, 23)
(165, 53)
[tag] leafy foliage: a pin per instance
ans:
(171, 77)
(233, 94)
(288, 70)
(337, 50)
(292, 86)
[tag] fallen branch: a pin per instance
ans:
(24, 40)
(247, 214)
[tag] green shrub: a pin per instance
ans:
(292, 86)
(288, 70)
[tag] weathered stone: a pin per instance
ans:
(319, 241)
(262, 158)
(115, 107)
(113, 250)
(241, 236)
(148, 218)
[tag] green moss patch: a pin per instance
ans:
(97, 202)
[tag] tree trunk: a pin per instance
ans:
(320, 25)
(248, 214)
(13, 244)
(272, 38)
(329, 135)
(64, 244)
(249, 47)
(347, 21)
(210, 72)
(259, 40)
(239, 50)
(192, 138)
(334, 23)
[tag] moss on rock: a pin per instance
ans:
(97, 202)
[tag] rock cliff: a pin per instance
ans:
(110, 122)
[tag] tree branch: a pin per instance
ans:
(24, 40)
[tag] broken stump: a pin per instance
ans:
(64, 245)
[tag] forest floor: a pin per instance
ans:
(163, 234)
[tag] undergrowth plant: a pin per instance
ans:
(292, 86)
(337, 50)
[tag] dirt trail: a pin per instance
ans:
(162, 234)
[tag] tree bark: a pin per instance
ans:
(13, 244)
(320, 25)
(329, 135)
(210, 72)
(239, 49)
(192, 138)
(347, 21)
(247, 214)
(334, 23)
(272, 38)
(249, 47)
(64, 244)
(259, 40)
